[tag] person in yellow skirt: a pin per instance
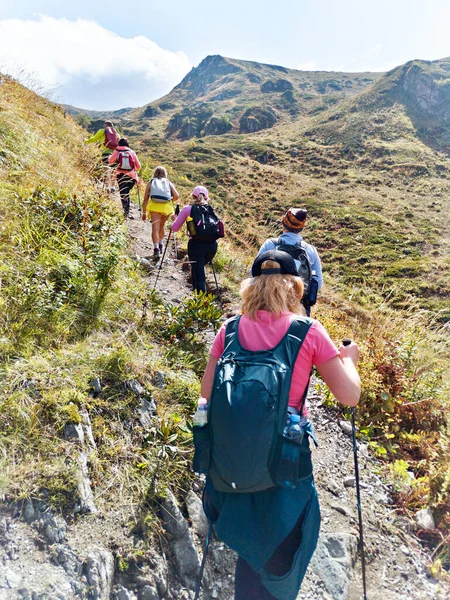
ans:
(159, 198)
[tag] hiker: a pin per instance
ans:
(159, 198)
(126, 172)
(307, 260)
(273, 530)
(204, 228)
(108, 138)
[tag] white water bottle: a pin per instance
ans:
(201, 416)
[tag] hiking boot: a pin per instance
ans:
(156, 253)
(161, 246)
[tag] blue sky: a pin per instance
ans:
(111, 54)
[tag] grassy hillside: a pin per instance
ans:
(223, 95)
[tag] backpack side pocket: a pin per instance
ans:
(202, 452)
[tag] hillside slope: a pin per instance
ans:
(224, 94)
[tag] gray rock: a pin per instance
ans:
(159, 380)
(172, 518)
(99, 573)
(12, 579)
(425, 519)
(343, 509)
(67, 558)
(144, 262)
(333, 562)
(186, 558)
(333, 487)
(148, 593)
(96, 385)
(85, 503)
(197, 515)
(350, 481)
(121, 593)
(74, 432)
(346, 427)
(146, 410)
(87, 428)
(134, 386)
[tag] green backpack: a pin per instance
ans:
(241, 446)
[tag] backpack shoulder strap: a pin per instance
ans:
(275, 241)
(231, 333)
(296, 335)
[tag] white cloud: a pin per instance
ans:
(89, 66)
(308, 65)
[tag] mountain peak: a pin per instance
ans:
(208, 71)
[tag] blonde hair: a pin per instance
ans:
(160, 172)
(274, 293)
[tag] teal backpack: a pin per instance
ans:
(241, 446)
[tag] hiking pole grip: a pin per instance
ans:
(347, 342)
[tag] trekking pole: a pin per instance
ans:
(162, 259)
(177, 212)
(202, 567)
(347, 342)
(139, 196)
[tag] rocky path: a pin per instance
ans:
(44, 558)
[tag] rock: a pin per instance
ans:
(12, 579)
(99, 573)
(95, 385)
(74, 432)
(67, 558)
(343, 509)
(182, 544)
(159, 380)
(87, 428)
(148, 593)
(144, 262)
(172, 518)
(333, 562)
(186, 558)
(197, 515)
(146, 410)
(218, 126)
(121, 593)
(256, 118)
(346, 427)
(134, 386)
(333, 487)
(350, 481)
(425, 519)
(85, 502)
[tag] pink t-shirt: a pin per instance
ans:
(267, 331)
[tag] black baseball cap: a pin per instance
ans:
(285, 260)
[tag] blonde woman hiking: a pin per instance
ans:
(160, 195)
(260, 491)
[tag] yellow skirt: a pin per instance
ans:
(164, 208)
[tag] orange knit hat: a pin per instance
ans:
(294, 220)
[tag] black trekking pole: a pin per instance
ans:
(202, 567)
(139, 196)
(177, 212)
(217, 284)
(347, 342)
(162, 259)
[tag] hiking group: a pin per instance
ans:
(252, 430)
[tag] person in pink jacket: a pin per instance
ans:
(126, 172)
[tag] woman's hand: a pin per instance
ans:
(173, 217)
(349, 351)
(144, 216)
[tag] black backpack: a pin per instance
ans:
(206, 225)
(298, 252)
